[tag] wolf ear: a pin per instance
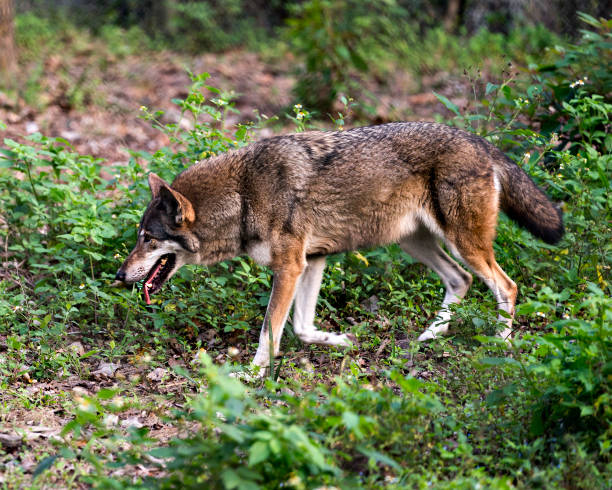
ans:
(173, 201)
(155, 184)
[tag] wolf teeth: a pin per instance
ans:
(148, 285)
(163, 261)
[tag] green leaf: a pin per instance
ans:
(478, 322)
(343, 52)
(490, 88)
(379, 457)
(105, 394)
(44, 465)
(536, 427)
(241, 133)
(351, 421)
(526, 308)
(447, 103)
(358, 61)
(258, 452)
(498, 361)
(238, 479)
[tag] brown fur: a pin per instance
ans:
(289, 198)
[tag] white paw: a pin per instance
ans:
(261, 359)
(427, 335)
(437, 328)
(324, 338)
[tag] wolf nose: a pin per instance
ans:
(120, 276)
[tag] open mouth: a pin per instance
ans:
(158, 275)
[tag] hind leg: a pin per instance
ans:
(480, 258)
(424, 247)
(304, 308)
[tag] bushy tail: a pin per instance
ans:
(526, 203)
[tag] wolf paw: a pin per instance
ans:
(428, 334)
(437, 328)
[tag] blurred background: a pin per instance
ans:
(81, 69)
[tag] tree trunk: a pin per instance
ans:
(451, 19)
(8, 55)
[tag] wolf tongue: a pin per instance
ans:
(146, 295)
(149, 281)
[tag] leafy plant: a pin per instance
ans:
(576, 366)
(579, 70)
(335, 40)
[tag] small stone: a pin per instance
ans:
(131, 422)
(31, 127)
(106, 369)
(77, 348)
(110, 420)
(371, 304)
(157, 374)
(10, 441)
(288, 392)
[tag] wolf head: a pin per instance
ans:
(165, 239)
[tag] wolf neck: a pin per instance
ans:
(213, 187)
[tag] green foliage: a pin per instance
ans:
(34, 34)
(582, 70)
(439, 51)
(265, 440)
(576, 364)
(187, 25)
(336, 40)
(69, 221)
(340, 42)
(564, 374)
(40, 35)
(211, 26)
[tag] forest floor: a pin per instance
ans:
(93, 101)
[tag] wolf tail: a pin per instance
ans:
(526, 204)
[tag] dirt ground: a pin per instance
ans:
(105, 122)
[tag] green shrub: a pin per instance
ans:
(558, 379)
(336, 40)
(210, 26)
(435, 50)
(70, 220)
(581, 70)
(248, 440)
(577, 368)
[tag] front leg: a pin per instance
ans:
(305, 304)
(287, 271)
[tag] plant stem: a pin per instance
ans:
(27, 166)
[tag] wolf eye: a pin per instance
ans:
(147, 238)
